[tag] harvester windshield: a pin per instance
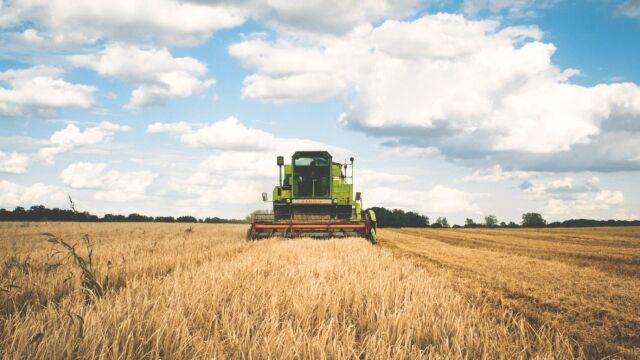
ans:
(312, 177)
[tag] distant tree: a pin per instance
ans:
(440, 222)
(456, 226)
(42, 213)
(114, 218)
(533, 220)
(511, 224)
(469, 223)
(6, 215)
(186, 219)
(491, 221)
(399, 218)
(138, 218)
(503, 224)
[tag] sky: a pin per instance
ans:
(451, 108)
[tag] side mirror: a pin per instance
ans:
(265, 197)
(358, 196)
(280, 160)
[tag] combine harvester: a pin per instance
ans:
(315, 199)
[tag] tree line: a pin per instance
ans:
(393, 218)
(42, 213)
(398, 218)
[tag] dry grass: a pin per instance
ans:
(584, 282)
(201, 291)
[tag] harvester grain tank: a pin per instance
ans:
(314, 198)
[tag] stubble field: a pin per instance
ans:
(201, 291)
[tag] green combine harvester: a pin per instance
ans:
(314, 198)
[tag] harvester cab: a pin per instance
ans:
(314, 198)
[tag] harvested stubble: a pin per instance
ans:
(206, 293)
(584, 282)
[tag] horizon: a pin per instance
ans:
(246, 219)
(459, 109)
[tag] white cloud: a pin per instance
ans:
(111, 185)
(468, 88)
(55, 24)
(309, 87)
(335, 16)
(568, 198)
(239, 177)
(159, 77)
(412, 151)
(214, 189)
(438, 200)
(624, 214)
(496, 173)
(565, 187)
(169, 128)
(243, 166)
(229, 134)
(366, 178)
(39, 91)
(511, 8)
(161, 21)
(234, 137)
(84, 175)
(72, 137)
(13, 163)
(12, 195)
(630, 8)
(583, 205)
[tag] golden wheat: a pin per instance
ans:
(584, 282)
(201, 291)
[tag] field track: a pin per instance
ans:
(200, 291)
(584, 282)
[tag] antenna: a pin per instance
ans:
(351, 159)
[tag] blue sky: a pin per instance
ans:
(451, 108)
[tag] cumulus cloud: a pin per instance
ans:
(71, 137)
(159, 77)
(234, 137)
(164, 21)
(367, 178)
(12, 195)
(511, 8)
(413, 151)
(243, 165)
(13, 163)
(335, 16)
(169, 128)
(584, 205)
(229, 134)
(54, 24)
(110, 185)
(40, 91)
(238, 177)
(630, 8)
(496, 173)
(471, 89)
(566, 197)
(439, 200)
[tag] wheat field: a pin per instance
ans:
(583, 282)
(174, 291)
